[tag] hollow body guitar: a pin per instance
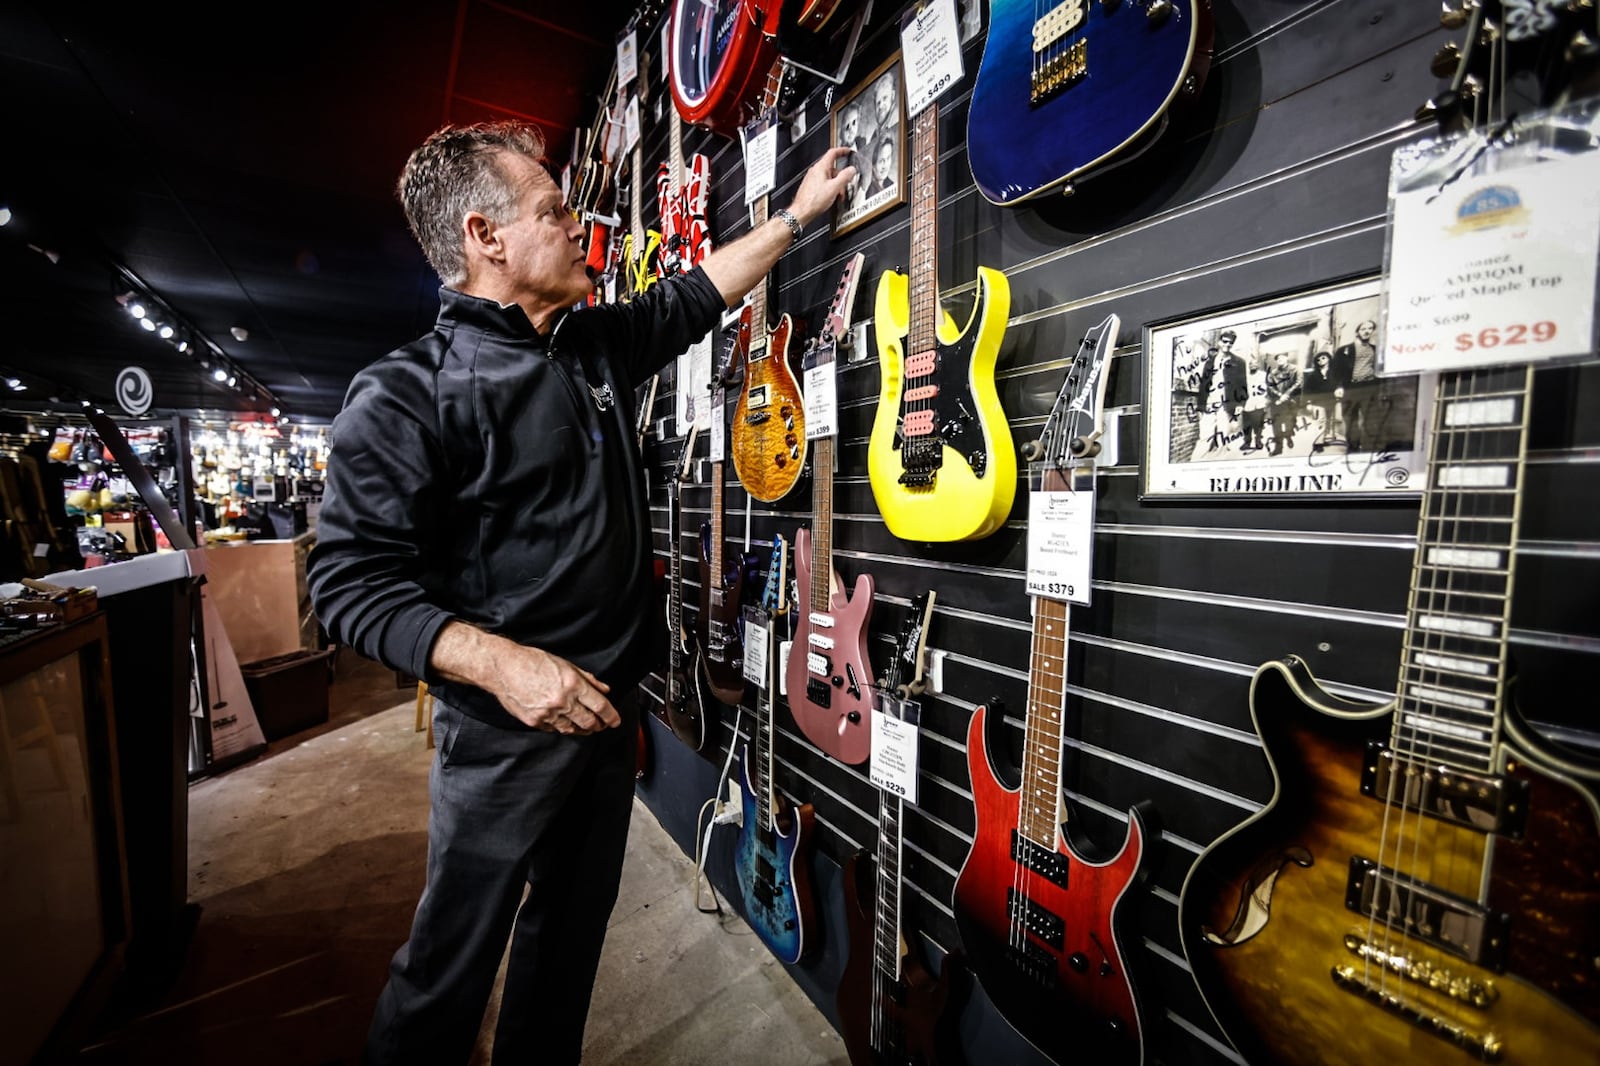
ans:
(773, 853)
(829, 678)
(892, 1010)
(1042, 919)
(1064, 87)
(940, 458)
(1432, 895)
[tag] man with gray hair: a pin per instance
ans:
(485, 529)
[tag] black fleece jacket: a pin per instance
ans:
(474, 476)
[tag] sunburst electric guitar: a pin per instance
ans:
(686, 705)
(1045, 925)
(940, 459)
(773, 854)
(1424, 885)
(892, 1011)
(829, 676)
(1067, 87)
(768, 435)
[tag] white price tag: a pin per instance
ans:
(1497, 268)
(755, 648)
(41, 550)
(630, 124)
(821, 393)
(760, 158)
(932, 51)
(719, 425)
(894, 745)
(694, 386)
(627, 59)
(1060, 539)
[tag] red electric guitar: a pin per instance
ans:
(682, 193)
(829, 680)
(1043, 925)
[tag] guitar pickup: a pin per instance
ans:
(821, 620)
(1050, 865)
(1430, 914)
(818, 664)
(1035, 919)
(818, 640)
(1482, 802)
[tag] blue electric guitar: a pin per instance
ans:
(774, 851)
(1066, 86)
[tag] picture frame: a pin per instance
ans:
(1281, 399)
(861, 121)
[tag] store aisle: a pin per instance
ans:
(306, 864)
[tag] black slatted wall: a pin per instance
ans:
(1274, 182)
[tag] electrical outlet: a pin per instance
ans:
(735, 795)
(783, 666)
(936, 669)
(858, 342)
(1108, 440)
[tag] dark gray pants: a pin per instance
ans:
(510, 810)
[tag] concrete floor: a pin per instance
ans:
(306, 864)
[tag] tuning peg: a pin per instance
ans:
(1452, 17)
(1445, 60)
(1158, 10)
(1033, 451)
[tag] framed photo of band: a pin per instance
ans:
(1281, 399)
(870, 120)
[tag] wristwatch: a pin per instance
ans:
(786, 216)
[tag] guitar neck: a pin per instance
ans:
(635, 201)
(675, 584)
(924, 281)
(715, 577)
(758, 295)
(675, 176)
(1452, 675)
(1041, 750)
(765, 800)
(822, 524)
(886, 912)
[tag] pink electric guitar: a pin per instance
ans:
(828, 678)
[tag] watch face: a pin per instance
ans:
(702, 30)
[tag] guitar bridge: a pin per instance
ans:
(819, 693)
(1034, 963)
(1059, 72)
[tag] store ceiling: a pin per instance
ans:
(241, 161)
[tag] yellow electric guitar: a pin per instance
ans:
(940, 460)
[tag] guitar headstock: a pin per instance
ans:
(837, 325)
(774, 595)
(681, 473)
(1549, 39)
(905, 677)
(1071, 434)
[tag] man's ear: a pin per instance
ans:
(480, 236)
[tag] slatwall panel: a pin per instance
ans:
(1274, 183)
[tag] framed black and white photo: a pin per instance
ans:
(1282, 398)
(870, 120)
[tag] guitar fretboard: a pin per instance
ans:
(822, 524)
(765, 800)
(886, 912)
(1041, 746)
(675, 586)
(715, 577)
(924, 231)
(1452, 672)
